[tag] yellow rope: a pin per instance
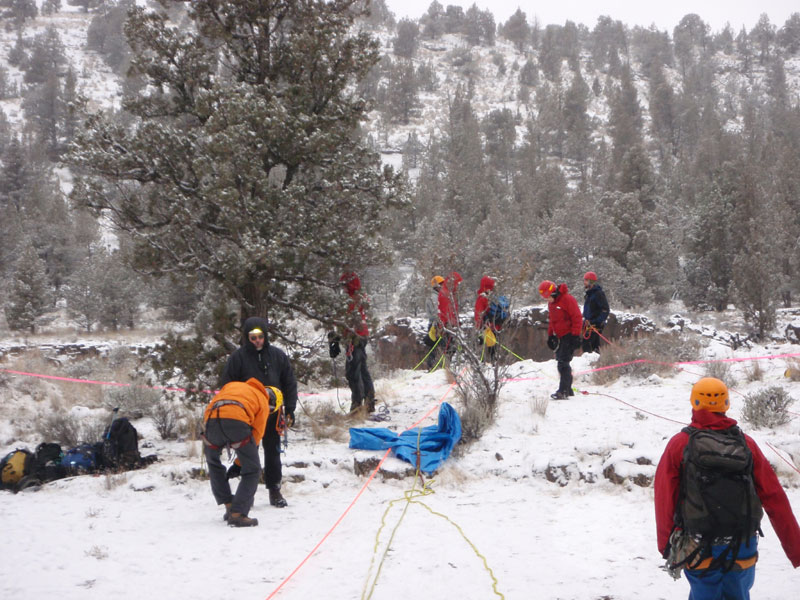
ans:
(409, 496)
(428, 354)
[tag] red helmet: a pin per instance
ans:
(590, 275)
(546, 288)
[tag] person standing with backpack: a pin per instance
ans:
(448, 310)
(595, 312)
(486, 330)
(256, 357)
(710, 486)
(563, 332)
(433, 332)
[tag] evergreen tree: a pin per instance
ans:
(243, 159)
(407, 40)
(432, 22)
(763, 37)
(29, 296)
(789, 35)
(517, 31)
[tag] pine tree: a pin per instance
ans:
(29, 296)
(243, 158)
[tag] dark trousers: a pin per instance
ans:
(592, 343)
(220, 432)
(272, 454)
(566, 348)
(358, 377)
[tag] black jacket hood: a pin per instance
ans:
(254, 323)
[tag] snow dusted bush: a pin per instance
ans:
(134, 401)
(721, 371)
(659, 351)
(767, 408)
(166, 417)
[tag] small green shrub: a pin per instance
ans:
(767, 408)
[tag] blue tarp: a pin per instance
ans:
(435, 441)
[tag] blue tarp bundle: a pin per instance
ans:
(435, 441)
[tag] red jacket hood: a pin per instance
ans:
(351, 283)
(562, 288)
(487, 284)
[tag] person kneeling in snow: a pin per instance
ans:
(235, 419)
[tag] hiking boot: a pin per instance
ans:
(354, 406)
(227, 514)
(370, 405)
(240, 520)
(559, 395)
(570, 392)
(276, 499)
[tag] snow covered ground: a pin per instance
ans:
(157, 531)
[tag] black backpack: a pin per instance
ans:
(47, 464)
(121, 445)
(718, 497)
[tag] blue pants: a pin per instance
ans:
(716, 585)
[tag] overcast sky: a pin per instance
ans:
(665, 15)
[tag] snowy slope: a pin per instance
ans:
(157, 531)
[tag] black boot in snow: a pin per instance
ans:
(276, 499)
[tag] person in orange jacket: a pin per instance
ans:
(236, 419)
(563, 332)
(723, 567)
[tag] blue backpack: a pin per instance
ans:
(81, 459)
(499, 311)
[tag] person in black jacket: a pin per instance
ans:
(270, 365)
(595, 312)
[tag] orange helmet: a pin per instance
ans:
(546, 288)
(437, 280)
(710, 394)
(590, 275)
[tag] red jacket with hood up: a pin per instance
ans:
(565, 316)
(482, 302)
(448, 307)
(768, 488)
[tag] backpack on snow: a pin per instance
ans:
(81, 459)
(498, 311)
(14, 467)
(718, 497)
(48, 465)
(121, 445)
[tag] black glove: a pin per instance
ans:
(289, 418)
(234, 471)
(552, 341)
(333, 349)
(573, 340)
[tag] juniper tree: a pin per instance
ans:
(241, 159)
(29, 296)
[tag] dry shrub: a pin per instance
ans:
(661, 349)
(59, 425)
(767, 408)
(329, 423)
(721, 371)
(753, 372)
(166, 417)
(136, 400)
(539, 405)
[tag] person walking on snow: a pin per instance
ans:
(716, 541)
(482, 322)
(595, 312)
(256, 357)
(355, 337)
(236, 419)
(563, 332)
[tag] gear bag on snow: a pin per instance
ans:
(121, 445)
(498, 311)
(718, 502)
(16, 465)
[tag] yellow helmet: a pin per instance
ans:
(710, 394)
(275, 397)
(437, 280)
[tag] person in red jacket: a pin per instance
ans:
(448, 310)
(236, 418)
(563, 332)
(355, 337)
(481, 318)
(710, 401)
